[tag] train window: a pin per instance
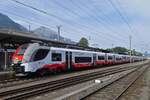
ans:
(40, 54)
(83, 59)
(110, 57)
(118, 58)
(22, 49)
(56, 57)
(101, 58)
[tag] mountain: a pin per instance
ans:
(46, 32)
(6, 22)
(50, 34)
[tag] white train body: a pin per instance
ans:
(36, 58)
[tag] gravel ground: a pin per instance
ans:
(7, 75)
(56, 77)
(56, 95)
(65, 75)
(110, 92)
(140, 90)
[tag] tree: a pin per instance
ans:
(136, 53)
(83, 42)
(120, 50)
(109, 50)
(123, 50)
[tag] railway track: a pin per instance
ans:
(25, 80)
(130, 84)
(9, 80)
(24, 92)
(19, 81)
(115, 90)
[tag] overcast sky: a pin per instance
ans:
(103, 22)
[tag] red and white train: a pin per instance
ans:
(36, 58)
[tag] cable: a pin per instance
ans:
(27, 20)
(71, 11)
(98, 21)
(41, 11)
(31, 21)
(108, 20)
(135, 31)
(78, 15)
(103, 22)
(65, 21)
(121, 16)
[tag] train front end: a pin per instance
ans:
(23, 59)
(17, 58)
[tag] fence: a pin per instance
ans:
(5, 60)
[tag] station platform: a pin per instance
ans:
(4, 75)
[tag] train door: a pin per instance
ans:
(114, 59)
(69, 60)
(106, 58)
(94, 59)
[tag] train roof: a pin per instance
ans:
(76, 50)
(72, 50)
(64, 49)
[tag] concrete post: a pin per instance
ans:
(5, 59)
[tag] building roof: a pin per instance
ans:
(9, 38)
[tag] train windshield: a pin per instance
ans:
(22, 49)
